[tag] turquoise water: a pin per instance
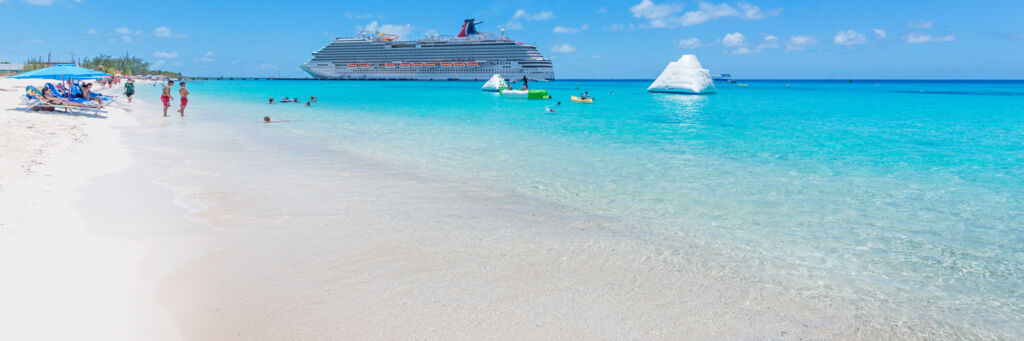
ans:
(903, 199)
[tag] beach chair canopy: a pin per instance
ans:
(63, 71)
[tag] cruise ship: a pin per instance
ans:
(471, 55)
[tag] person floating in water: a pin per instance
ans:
(312, 98)
(307, 103)
(271, 100)
(266, 119)
(525, 84)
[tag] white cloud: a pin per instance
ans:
(207, 57)
(921, 24)
(158, 63)
(123, 31)
(514, 25)
(657, 15)
(744, 50)
(919, 38)
(602, 10)
(849, 37)
(165, 32)
(665, 15)
(769, 42)
(563, 48)
(800, 42)
(751, 12)
(399, 30)
(163, 54)
(596, 56)
(689, 43)
(880, 33)
(92, 32)
(562, 29)
(128, 39)
(523, 14)
(39, 2)
(733, 39)
(267, 66)
(707, 11)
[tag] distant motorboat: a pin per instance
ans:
(685, 75)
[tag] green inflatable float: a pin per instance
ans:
(525, 94)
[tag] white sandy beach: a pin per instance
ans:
(94, 247)
(63, 279)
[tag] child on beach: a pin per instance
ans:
(184, 98)
(166, 96)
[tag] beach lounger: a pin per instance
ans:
(64, 95)
(76, 92)
(33, 100)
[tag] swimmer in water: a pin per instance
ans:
(266, 119)
(307, 103)
(271, 100)
(550, 110)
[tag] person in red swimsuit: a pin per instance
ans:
(166, 96)
(184, 98)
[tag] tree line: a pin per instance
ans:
(127, 65)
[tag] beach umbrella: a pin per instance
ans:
(63, 71)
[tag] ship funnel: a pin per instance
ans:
(469, 27)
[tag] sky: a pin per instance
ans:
(585, 39)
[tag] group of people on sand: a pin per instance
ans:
(75, 99)
(166, 98)
(312, 99)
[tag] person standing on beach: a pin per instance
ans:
(184, 98)
(129, 89)
(166, 96)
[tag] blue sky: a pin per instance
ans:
(586, 39)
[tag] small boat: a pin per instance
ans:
(525, 94)
(582, 100)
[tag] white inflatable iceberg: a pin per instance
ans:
(496, 83)
(685, 75)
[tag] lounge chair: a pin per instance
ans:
(64, 95)
(76, 91)
(34, 100)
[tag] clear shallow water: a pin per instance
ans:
(900, 199)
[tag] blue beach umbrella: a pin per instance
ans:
(61, 72)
